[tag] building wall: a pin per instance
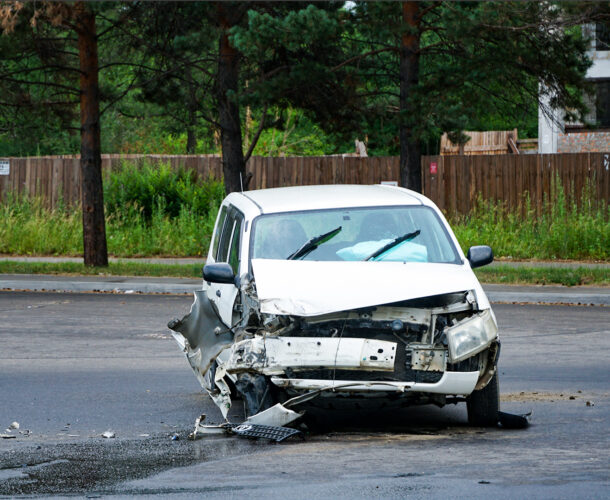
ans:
(550, 126)
(551, 136)
(583, 142)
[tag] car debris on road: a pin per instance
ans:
(246, 429)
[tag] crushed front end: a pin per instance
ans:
(420, 351)
(426, 350)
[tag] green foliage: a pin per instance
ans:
(150, 134)
(149, 188)
(293, 60)
(479, 67)
(544, 275)
(299, 136)
(322, 75)
(120, 268)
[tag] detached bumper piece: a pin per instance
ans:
(277, 434)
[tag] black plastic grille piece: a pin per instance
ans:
(277, 434)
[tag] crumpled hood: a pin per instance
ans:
(312, 288)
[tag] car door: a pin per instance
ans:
(226, 248)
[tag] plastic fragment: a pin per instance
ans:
(512, 421)
(277, 434)
(108, 435)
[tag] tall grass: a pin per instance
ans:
(563, 230)
(155, 211)
(132, 234)
(27, 227)
(149, 212)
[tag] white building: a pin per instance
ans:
(555, 136)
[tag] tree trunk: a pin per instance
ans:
(191, 140)
(233, 165)
(94, 227)
(410, 155)
(191, 136)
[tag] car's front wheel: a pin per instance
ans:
(483, 405)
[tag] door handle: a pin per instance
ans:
(218, 293)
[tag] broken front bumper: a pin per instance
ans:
(451, 383)
(354, 364)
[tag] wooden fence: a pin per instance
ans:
(52, 178)
(453, 182)
(494, 142)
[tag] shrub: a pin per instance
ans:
(150, 187)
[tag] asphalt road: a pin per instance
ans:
(75, 365)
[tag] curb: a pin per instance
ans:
(526, 295)
(99, 287)
(566, 298)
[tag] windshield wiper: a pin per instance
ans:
(393, 243)
(314, 243)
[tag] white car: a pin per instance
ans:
(316, 295)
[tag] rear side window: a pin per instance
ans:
(235, 244)
(230, 239)
(219, 227)
(225, 240)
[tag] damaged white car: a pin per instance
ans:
(321, 295)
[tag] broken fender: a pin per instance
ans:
(203, 337)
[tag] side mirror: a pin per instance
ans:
(480, 256)
(219, 272)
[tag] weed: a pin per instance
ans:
(563, 229)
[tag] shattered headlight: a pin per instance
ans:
(470, 336)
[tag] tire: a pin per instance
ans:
(483, 405)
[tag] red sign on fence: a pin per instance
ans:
(433, 167)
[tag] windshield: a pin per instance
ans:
(364, 232)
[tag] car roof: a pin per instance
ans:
(296, 198)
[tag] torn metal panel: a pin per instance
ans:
(203, 335)
(311, 288)
(273, 355)
(221, 393)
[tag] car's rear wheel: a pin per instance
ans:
(483, 405)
